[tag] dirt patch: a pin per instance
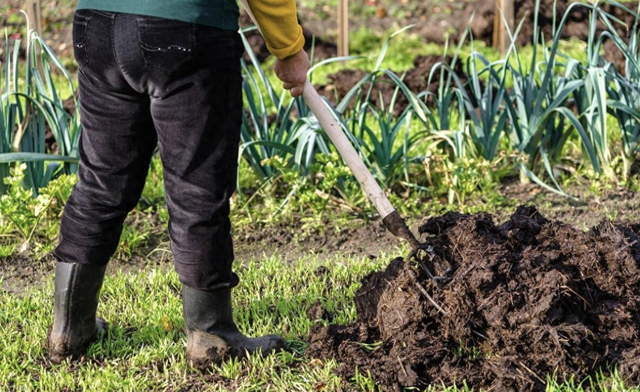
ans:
(525, 299)
(417, 79)
(19, 271)
(287, 240)
(290, 240)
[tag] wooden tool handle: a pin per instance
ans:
(347, 152)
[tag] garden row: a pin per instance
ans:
(548, 117)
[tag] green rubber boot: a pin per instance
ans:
(212, 335)
(75, 325)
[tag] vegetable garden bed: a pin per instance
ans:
(527, 300)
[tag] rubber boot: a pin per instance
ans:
(75, 325)
(212, 335)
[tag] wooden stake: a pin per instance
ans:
(343, 27)
(35, 16)
(35, 24)
(504, 9)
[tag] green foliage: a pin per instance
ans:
(365, 382)
(290, 191)
(600, 382)
(144, 348)
(6, 250)
(27, 218)
(31, 104)
(463, 177)
(132, 238)
(386, 141)
(536, 110)
(489, 122)
(153, 195)
(268, 129)
(624, 96)
(469, 353)
(549, 111)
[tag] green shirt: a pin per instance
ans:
(222, 14)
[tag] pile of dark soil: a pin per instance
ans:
(524, 300)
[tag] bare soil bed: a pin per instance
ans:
(359, 237)
(524, 299)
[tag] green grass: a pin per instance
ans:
(144, 347)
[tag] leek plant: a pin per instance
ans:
(623, 93)
(448, 141)
(263, 137)
(489, 122)
(600, 82)
(537, 109)
(448, 100)
(447, 122)
(385, 140)
(30, 104)
(274, 128)
(8, 114)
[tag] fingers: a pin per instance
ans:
(293, 80)
(295, 89)
(292, 71)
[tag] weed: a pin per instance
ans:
(26, 216)
(370, 346)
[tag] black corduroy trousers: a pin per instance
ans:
(147, 82)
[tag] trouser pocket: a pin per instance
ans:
(166, 45)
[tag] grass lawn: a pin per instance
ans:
(143, 349)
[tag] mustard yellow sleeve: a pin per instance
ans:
(278, 23)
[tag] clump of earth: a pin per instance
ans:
(519, 302)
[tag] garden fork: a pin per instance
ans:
(390, 217)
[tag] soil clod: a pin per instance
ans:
(524, 300)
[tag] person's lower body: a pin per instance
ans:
(142, 81)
